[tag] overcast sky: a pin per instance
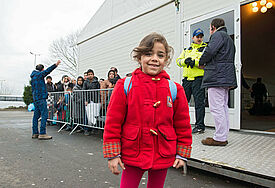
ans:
(31, 25)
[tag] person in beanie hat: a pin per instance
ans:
(192, 77)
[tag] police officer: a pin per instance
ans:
(192, 77)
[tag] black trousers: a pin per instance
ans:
(194, 87)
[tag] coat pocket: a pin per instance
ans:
(167, 141)
(130, 141)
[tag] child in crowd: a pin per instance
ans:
(67, 107)
(59, 106)
(145, 130)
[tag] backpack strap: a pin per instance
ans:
(127, 85)
(173, 90)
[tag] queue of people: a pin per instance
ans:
(86, 105)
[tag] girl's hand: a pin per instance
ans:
(113, 163)
(179, 163)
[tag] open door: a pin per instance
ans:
(231, 15)
(257, 54)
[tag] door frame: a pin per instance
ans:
(234, 113)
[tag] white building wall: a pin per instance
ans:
(194, 9)
(113, 48)
(114, 12)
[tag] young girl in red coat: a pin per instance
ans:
(145, 130)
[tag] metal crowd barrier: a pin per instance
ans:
(59, 108)
(84, 109)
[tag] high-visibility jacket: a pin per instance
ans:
(195, 52)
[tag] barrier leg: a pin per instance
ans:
(62, 127)
(74, 129)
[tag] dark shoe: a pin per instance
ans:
(197, 130)
(68, 129)
(44, 137)
(87, 133)
(211, 142)
(34, 136)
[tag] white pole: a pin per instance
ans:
(35, 57)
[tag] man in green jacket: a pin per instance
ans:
(192, 77)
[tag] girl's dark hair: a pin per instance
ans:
(147, 44)
(115, 69)
(110, 72)
(217, 22)
(80, 77)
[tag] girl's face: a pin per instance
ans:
(66, 79)
(153, 62)
(80, 81)
(111, 75)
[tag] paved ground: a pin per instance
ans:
(71, 160)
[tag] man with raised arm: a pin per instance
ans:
(40, 94)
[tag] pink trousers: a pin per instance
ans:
(131, 177)
(218, 104)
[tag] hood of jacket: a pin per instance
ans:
(35, 72)
(78, 87)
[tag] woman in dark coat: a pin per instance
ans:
(78, 102)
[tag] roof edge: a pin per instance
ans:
(126, 21)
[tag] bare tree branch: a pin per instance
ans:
(66, 50)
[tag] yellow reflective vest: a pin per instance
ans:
(194, 51)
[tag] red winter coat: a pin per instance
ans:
(145, 127)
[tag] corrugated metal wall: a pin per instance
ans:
(113, 47)
(194, 9)
(114, 12)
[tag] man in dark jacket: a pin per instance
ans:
(219, 77)
(89, 84)
(49, 85)
(40, 95)
(50, 88)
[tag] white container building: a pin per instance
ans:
(119, 25)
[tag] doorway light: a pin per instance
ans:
(262, 2)
(263, 9)
(254, 4)
(269, 5)
(255, 9)
(263, 6)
